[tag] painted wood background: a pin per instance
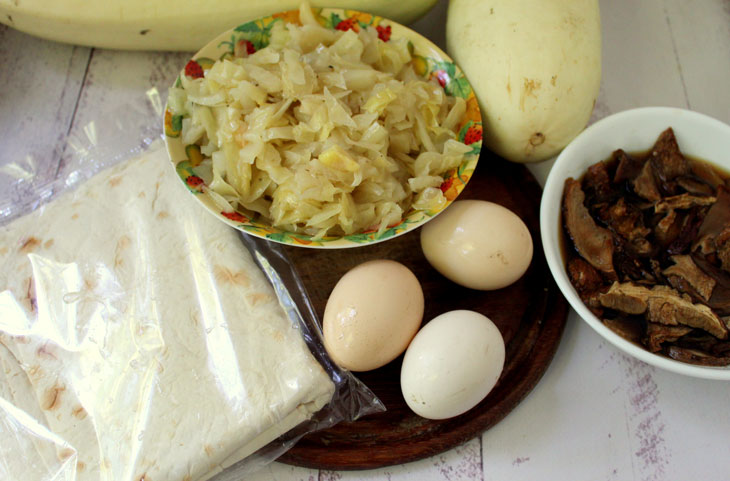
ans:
(596, 414)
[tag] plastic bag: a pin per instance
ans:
(146, 343)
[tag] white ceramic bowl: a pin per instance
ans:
(633, 131)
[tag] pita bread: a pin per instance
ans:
(21, 431)
(153, 344)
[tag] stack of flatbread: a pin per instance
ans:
(139, 331)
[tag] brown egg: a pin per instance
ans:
(372, 314)
(478, 244)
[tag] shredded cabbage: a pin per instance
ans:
(322, 132)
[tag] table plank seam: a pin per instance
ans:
(675, 52)
(72, 119)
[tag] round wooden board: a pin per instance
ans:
(530, 314)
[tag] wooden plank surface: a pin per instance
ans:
(596, 414)
(40, 85)
(700, 32)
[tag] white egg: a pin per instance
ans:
(452, 364)
(478, 244)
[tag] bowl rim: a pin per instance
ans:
(550, 212)
(459, 177)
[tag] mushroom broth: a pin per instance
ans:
(647, 244)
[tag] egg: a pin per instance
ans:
(478, 244)
(372, 314)
(452, 364)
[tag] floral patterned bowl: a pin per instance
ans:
(430, 62)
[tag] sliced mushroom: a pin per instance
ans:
(694, 186)
(694, 356)
(667, 307)
(627, 221)
(626, 297)
(630, 329)
(584, 276)
(657, 334)
(593, 243)
(720, 299)
(662, 305)
(668, 228)
(645, 184)
(628, 167)
(685, 268)
(714, 223)
(682, 201)
(722, 245)
(598, 183)
(691, 223)
(666, 157)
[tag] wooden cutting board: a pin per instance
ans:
(530, 314)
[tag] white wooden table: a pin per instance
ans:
(596, 414)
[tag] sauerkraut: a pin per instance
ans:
(322, 132)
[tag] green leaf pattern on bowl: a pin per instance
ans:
(451, 79)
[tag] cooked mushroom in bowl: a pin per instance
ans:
(639, 240)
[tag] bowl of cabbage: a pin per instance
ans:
(323, 127)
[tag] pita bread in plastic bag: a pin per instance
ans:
(152, 343)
